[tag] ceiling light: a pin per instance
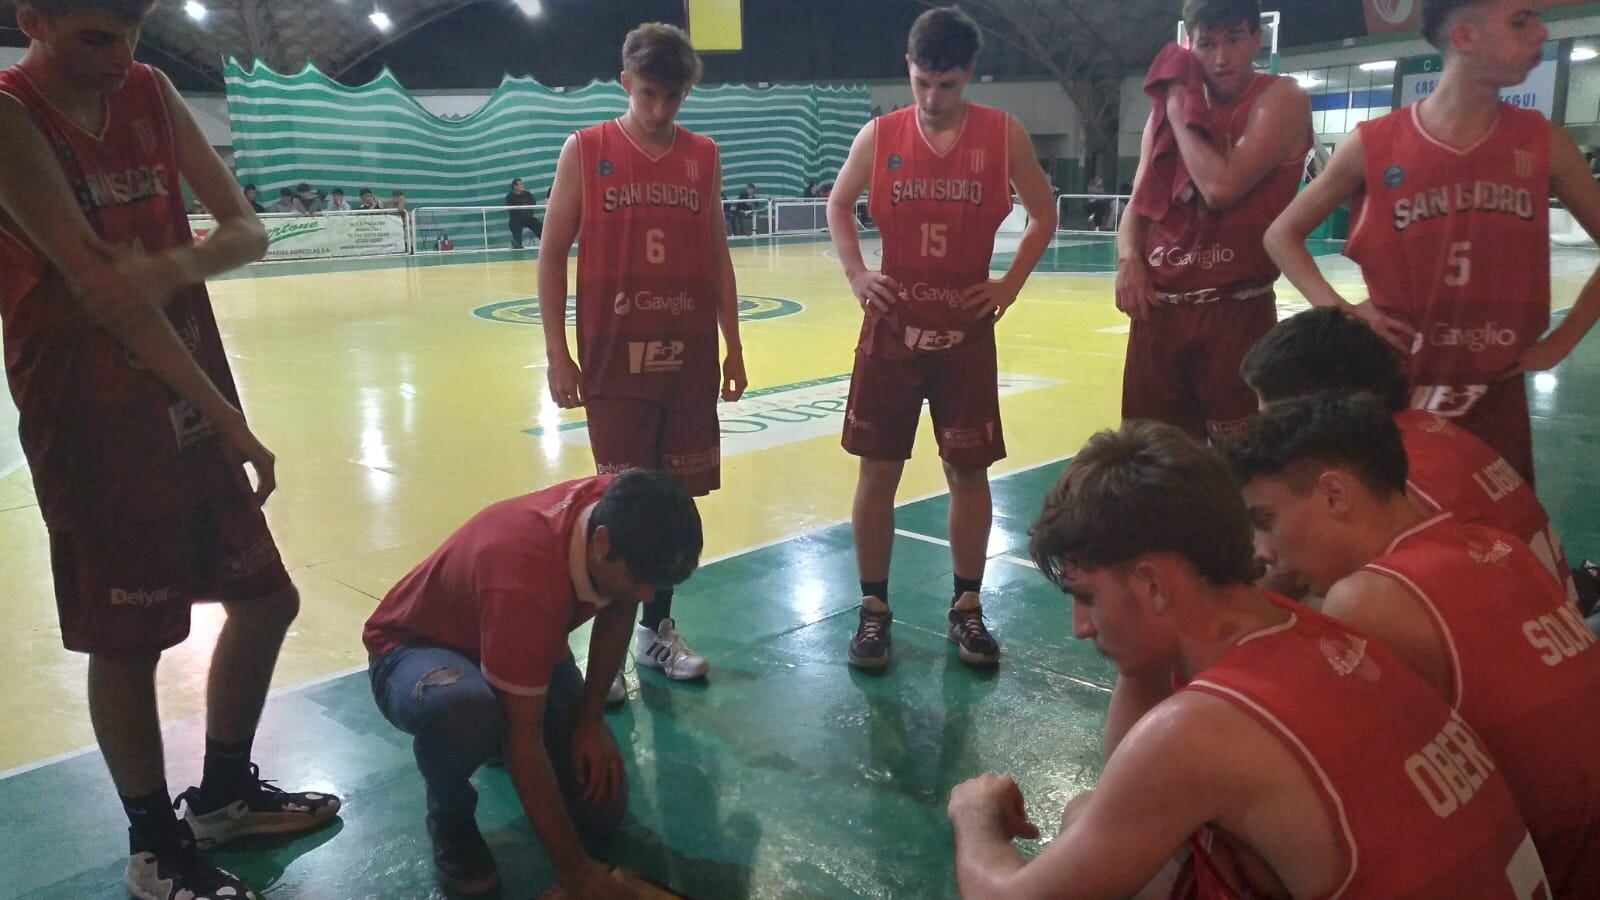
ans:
(381, 19)
(196, 10)
(1584, 54)
(529, 8)
(1381, 65)
(1308, 81)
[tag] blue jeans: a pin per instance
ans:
(441, 698)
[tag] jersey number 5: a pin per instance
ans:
(655, 246)
(1458, 264)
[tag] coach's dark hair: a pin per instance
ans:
(1324, 350)
(944, 38)
(1436, 20)
(126, 10)
(1298, 439)
(661, 53)
(653, 525)
(1145, 488)
(1204, 15)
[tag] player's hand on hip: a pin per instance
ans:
(1398, 333)
(992, 801)
(242, 448)
(990, 298)
(599, 763)
(1135, 293)
(734, 380)
(565, 383)
(875, 290)
(1541, 356)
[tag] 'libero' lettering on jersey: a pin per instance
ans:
(1465, 196)
(650, 193)
(954, 190)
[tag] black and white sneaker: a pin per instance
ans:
(869, 647)
(182, 873)
(974, 644)
(262, 809)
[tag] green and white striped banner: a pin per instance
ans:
(307, 127)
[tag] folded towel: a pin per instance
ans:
(1166, 183)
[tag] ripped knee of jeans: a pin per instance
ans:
(440, 677)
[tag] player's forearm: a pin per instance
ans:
(1132, 235)
(148, 336)
(535, 781)
(233, 243)
(1581, 317)
(1286, 244)
(728, 308)
(608, 643)
(846, 242)
(553, 301)
(1030, 249)
(1131, 698)
(1207, 167)
(985, 861)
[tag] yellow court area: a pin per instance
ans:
(400, 397)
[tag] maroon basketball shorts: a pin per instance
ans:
(961, 387)
(682, 440)
(1183, 364)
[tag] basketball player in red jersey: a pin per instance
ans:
(1449, 469)
(1193, 277)
(941, 172)
(1468, 607)
(1452, 228)
(131, 423)
(1295, 757)
(643, 196)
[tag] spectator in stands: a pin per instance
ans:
(1099, 210)
(307, 200)
(520, 218)
(337, 202)
(368, 200)
(284, 203)
(250, 198)
(811, 190)
(745, 213)
(397, 202)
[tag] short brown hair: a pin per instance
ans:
(127, 10)
(661, 53)
(944, 38)
(1204, 15)
(1145, 488)
(1436, 16)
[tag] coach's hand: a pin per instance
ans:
(874, 290)
(1396, 332)
(565, 382)
(241, 447)
(1135, 294)
(734, 380)
(599, 763)
(991, 801)
(990, 298)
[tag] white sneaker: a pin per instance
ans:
(617, 694)
(665, 649)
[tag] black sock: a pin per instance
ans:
(227, 769)
(963, 585)
(879, 589)
(152, 823)
(659, 607)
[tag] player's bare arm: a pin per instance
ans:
(1131, 698)
(1134, 290)
(1380, 606)
(1285, 240)
(239, 237)
(994, 297)
(121, 289)
(734, 379)
(871, 289)
(1278, 126)
(1577, 190)
(594, 750)
(563, 215)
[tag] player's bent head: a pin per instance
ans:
(1205, 15)
(129, 11)
(1295, 442)
(661, 53)
(942, 39)
(652, 524)
(1324, 350)
(1146, 488)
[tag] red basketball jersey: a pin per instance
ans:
(1457, 244)
(647, 273)
(937, 214)
(1451, 470)
(1526, 674)
(108, 443)
(1195, 247)
(1420, 810)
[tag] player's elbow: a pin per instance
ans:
(1044, 218)
(1279, 238)
(253, 235)
(1221, 194)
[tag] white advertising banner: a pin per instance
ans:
(328, 236)
(1420, 76)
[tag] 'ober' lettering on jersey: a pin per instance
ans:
(1464, 196)
(651, 193)
(1449, 770)
(99, 190)
(955, 190)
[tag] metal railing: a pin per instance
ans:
(1089, 213)
(437, 229)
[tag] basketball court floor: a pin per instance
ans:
(402, 396)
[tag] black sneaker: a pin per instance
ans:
(973, 642)
(262, 809)
(869, 649)
(181, 873)
(463, 859)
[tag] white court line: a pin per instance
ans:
(930, 539)
(334, 676)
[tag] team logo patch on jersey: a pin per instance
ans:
(894, 162)
(976, 159)
(1392, 176)
(691, 169)
(605, 168)
(526, 310)
(1522, 163)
